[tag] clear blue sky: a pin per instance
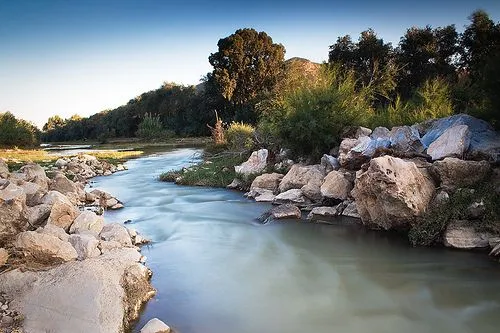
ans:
(65, 57)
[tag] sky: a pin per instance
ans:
(70, 57)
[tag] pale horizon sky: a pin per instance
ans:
(81, 57)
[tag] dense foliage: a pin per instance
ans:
(432, 72)
(17, 132)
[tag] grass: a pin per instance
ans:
(214, 171)
(15, 158)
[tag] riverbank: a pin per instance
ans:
(438, 182)
(62, 268)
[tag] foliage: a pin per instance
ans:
(311, 118)
(215, 171)
(246, 66)
(240, 136)
(17, 132)
(433, 224)
(151, 128)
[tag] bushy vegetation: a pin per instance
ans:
(17, 132)
(240, 136)
(151, 128)
(431, 227)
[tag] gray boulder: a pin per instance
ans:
(391, 193)
(351, 210)
(63, 212)
(323, 212)
(116, 232)
(155, 325)
(53, 230)
(455, 173)
(62, 184)
(300, 175)
(12, 205)
(285, 211)
(37, 215)
(87, 221)
(329, 163)
(256, 163)
(85, 245)
(406, 139)
(454, 142)
(294, 197)
(267, 181)
(462, 235)
(4, 169)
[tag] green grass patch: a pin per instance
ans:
(214, 171)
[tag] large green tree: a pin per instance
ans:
(246, 66)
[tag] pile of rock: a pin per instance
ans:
(85, 166)
(92, 271)
(390, 178)
(8, 318)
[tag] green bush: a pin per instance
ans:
(240, 136)
(17, 132)
(151, 128)
(310, 119)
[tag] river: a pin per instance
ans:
(219, 271)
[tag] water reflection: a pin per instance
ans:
(218, 271)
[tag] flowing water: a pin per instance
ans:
(219, 271)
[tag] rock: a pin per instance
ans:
(45, 248)
(61, 163)
(85, 245)
(111, 202)
(456, 173)
(155, 325)
(475, 210)
(37, 215)
(236, 184)
(406, 139)
(268, 181)
(380, 133)
(256, 163)
(454, 142)
(312, 190)
(4, 169)
(106, 246)
(329, 163)
(351, 152)
(355, 132)
(336, 186)
(300, 175)
(98, 295)
(462, 235)
(34, 193)
(62, 184)
(117, 206)
(101, 194)
(323, 212)
(116, 232)
(392, 192)
(285, 211)
(495, 251)
(140, 240)
(484, 140)
(261, 195)
(351, 210)
(90, 197)
(293, 196)
(87, 221)
(284, 166)
(53, 230)
(4, 255)
(63, 212)
(34, 173)
(12, 205)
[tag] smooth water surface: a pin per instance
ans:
(219, 271)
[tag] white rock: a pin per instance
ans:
(293, 196)
(44, 247)
(85, 245)
(462, 235)
(116, 232)
(87, 221)
(155, 325)
(454, 142)
(336, 186)
(53, 230)
(256, 163)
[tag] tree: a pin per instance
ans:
(246, 66)
(17, 132)
(53, 123)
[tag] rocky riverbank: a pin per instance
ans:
(62, 268)
(439, 181)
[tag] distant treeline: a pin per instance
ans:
(17, 132)
(250, 81)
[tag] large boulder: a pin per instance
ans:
(351, 210)
(53, 230)
(45, 248)
(285, 211)
(406, 139)
(85, 245)
(351, 152)
(455, 173)
(34, 173)
(336, 186)
(267, 181)
(323, 212)
(484, 140)
(454, 142)
(462, 235)
(256, 163)
(329, 163)
(34, 192)
(87, 221)
(300, 175)
(261, 195)
(155, 325)
(294, 197)
(63, 212)
(37, 215)
(98, 295)
(12, 205)
(392, 192)
(62, 184)
(116, 232)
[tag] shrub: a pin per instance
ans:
(240, 136)
(151, 128)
